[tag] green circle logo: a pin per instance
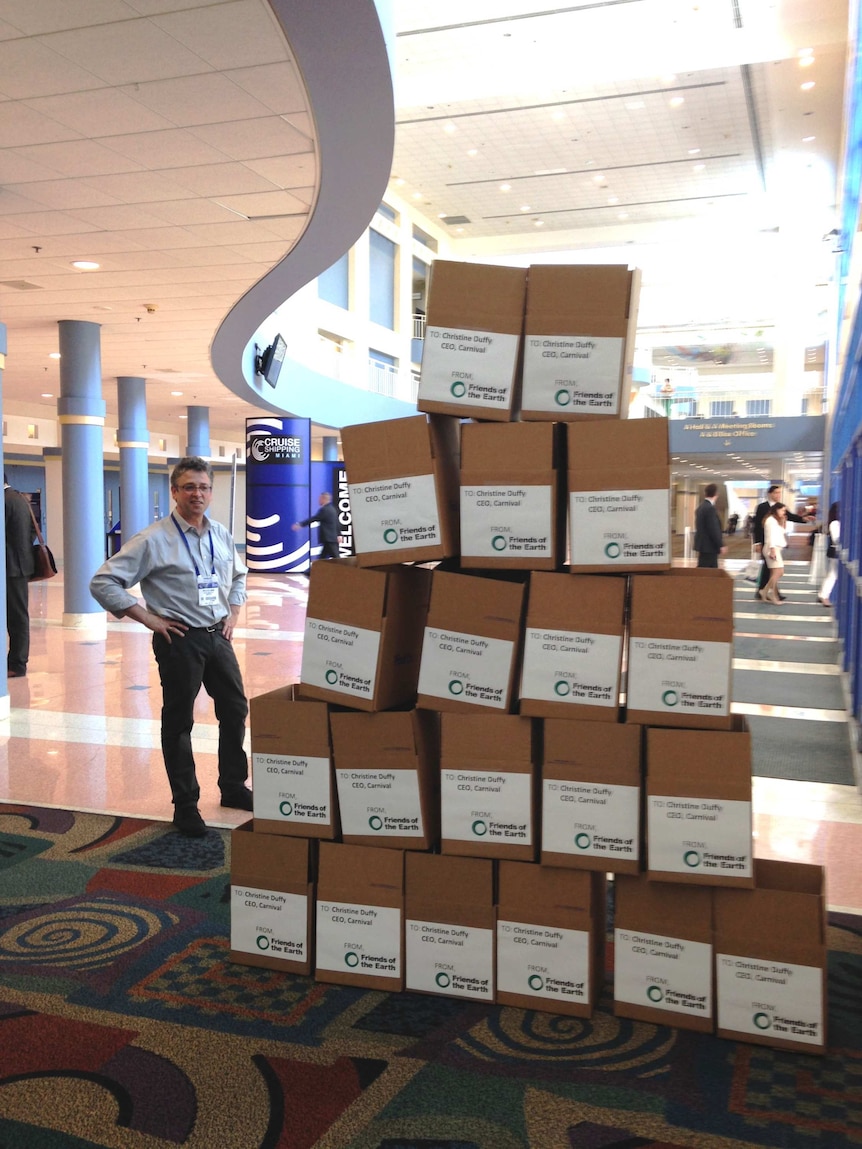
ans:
(583, 841)
(762, 1021)
(613, 550)
(654, 993)
(499, 543)
(480, 829)
(331, 677)
(375, 822)
(535, 982)
(456, 686)
(458, 389)
(562, 398)
(351, 959)
(285, 809)
(262, 942)
(562, 688)
(691, 858)
(390, 536)
(670, 698)
(443, 980)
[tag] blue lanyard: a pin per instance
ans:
(189, 549)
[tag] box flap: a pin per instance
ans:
(588, 299)
(476, 297)
(486, 737)
(593, 604)
(600, 444)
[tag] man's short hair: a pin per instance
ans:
(711, 490)
(190, 463)
(773, 487)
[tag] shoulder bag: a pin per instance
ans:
(45, 567)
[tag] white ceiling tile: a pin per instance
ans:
(221, 179)
(20, 124)
(52, 223)
(59, 194)
(265, 204)
(162, 151)
(80, 158)
(102, 112)
(34, 19)
(140, 187)
(129, 52)
(203, 98)
(279, 86)
(255, 139)
(234, 34)
(294, 172)
(32, 68)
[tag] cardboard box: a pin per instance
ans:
(550, 938)
(363, 635)
(579, 341)
(359, 916)
(449, 925)
(386, 768)
(573, 647)
(471, 644)
(271, 896)
(488, 783)
(680, 649)
(770, 958)
(291, 766)
(403, 482)
(698, 806)
(663, 950)
(473, 327)
(619, 496)
(591, 796)
(512, 509)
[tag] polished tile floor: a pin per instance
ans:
(83, 731)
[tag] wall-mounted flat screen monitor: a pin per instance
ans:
(272, 359)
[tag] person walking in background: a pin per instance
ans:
(774, 542)
(20, 565)
(708, 537)
(327, 520)
(760, 514)
(833, 538)
(193, 583)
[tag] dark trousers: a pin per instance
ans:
(707, 559)
(201, 658)
(18, 623)
(764, 575)
(329, 551)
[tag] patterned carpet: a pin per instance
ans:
(122, 1023)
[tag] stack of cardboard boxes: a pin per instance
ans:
(478, 739)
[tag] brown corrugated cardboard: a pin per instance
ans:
(698, 806)
(680, 649)
(403, 482)
(550, 938)
(591, 796)
(449, 925)
(359, 916)
(573, 647)
(472, 345)
(471, 644)
(386, 768)
(512, 507)
(270, 900)
(291, 765)
(363, 635)
(663, 950)
(488, 781)
(579, 341)
(770, 958)
(619, 496)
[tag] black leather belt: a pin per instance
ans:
(203, 629)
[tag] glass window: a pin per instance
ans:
(758, 406)
(388, 212)
(720, 408)
(382, 252)
(333, 284)
(424, 238)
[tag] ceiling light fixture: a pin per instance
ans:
(473, 152)
(677, 101)
(807, 86)
(505, 187)
(449, 129)
(417, 195)
(539, 222)
(54, 355)
(694, 151)
(525, 207)
(808, 139)
(85, 265)
(47, 394)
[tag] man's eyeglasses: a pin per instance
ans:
(190, 488)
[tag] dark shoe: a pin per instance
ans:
(187, 821)
(782, 597)
(238, 799)
(16, 673)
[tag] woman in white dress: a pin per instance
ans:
(833, 539)
(774, 542)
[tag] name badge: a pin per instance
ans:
(207, 590)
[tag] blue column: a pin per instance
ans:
(81, 411)
(199, 432)
(330, 448)
(134, 441)
(4, 686)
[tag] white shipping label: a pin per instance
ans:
(292, 789)
(619, 528)
(394, 514)
(772, 999)
(380, 802)
(576, 373)
(470, 368)
(339, 657)
(543, 961)
(699, 836)
(659, 972)
(506, 522)
(670, 676)
(591, 819)
(468, 667)
(457, 961)
(358, 939)
(483, 806)
(269, 923)
(571, 666)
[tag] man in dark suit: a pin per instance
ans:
(20, 565)
(773, 494)
(708, 539)
(327, 521)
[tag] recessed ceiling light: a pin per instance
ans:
(599, 179)
(807, 86)
(54, 355)
(669, 78)
(459, 230)
(808, 139)
(539, 222)
(677, 101)
(525, 207)
(505, 187)
(623, 215)
(700, 167)
(806, 61)
(558, 115)
(694, 151)
(47, 394)
(442, 215)
(85, 265)
(612, 199)
(175, 393)
(399, 183)
(449, 129)
(473, 152)
(635, 106)
(417, 195)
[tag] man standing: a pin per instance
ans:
(772, 497)
(327, 520)
(193, 584)
(20, 565)
(708, 537)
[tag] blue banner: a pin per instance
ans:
(757, 434)
(278, 477)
